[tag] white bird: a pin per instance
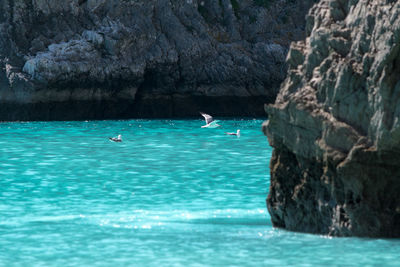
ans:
(237, 133)
(116, 139)
(210, 122)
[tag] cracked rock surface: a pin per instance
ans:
(99, 59)
(335, 125)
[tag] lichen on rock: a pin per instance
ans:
(335, 124)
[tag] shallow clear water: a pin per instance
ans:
(171, 194)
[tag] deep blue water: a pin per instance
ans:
(171, 194)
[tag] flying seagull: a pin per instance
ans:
(237, 133)
(116, 139)
(210, 122)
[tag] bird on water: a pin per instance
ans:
(237, 133)
(116, 139)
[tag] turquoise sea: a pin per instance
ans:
(171, 194)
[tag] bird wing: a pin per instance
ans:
(214, 124)
(207, 117)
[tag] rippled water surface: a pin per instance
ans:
(171, 194)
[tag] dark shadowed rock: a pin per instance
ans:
(335, 125)
(86, 59)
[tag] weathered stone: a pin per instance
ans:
(335, 124)
(163, 50)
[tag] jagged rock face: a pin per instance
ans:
(335, 125)
(85, 59)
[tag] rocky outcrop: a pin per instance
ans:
(335, 125)
(86, 59)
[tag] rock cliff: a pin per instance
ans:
(98, 59)
(335, 125)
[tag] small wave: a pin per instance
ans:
(38, 219)
(139, 218)
(230, 221)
